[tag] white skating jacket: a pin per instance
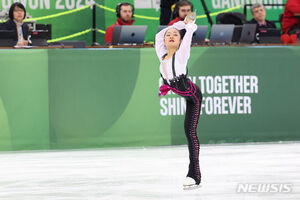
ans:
(182, 54)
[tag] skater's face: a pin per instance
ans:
(172, 38)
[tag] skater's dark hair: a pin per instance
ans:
(182, 33)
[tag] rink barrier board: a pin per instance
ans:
(63, 99)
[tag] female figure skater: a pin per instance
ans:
(173, 52)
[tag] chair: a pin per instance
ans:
(235, 18)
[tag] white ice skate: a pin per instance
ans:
(190, 184)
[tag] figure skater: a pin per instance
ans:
(173, 50)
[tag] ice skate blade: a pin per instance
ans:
(191, 187)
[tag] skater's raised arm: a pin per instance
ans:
(185, 46)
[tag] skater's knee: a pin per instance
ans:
(187, 127)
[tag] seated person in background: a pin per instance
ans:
(124, 12)
(181, 10)
(290, 22)
(259, 17)
(15, 23)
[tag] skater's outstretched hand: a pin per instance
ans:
(190, 18)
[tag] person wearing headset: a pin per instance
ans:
(15, 23)
(125, 16)
(181, 10)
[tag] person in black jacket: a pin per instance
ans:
(15, 23)
(259, 17)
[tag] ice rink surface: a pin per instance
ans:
(152, 173)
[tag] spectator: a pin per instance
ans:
(290, 23)
(124, 12)
(15, 23)
(259, 17)
(181, 10)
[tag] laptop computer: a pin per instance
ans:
(248, 33)
(221, 33)
(116, 35)
(237, 32)
(39, 42)
(200, 34)
(39, 38)
(270, 36)
(129, 34)
(6, 38)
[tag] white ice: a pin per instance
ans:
(152, 173)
